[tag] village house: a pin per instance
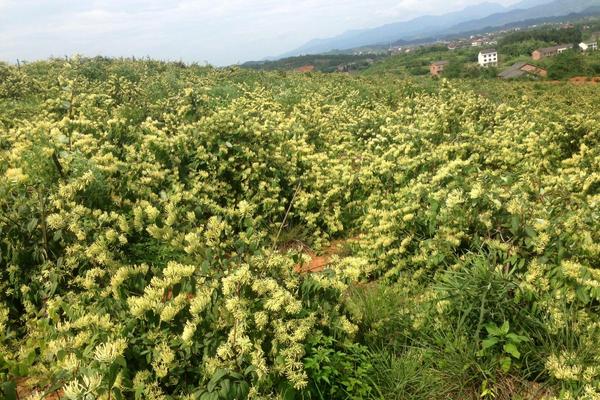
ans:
(588, 46)
(488, 58)
(550, 51)
(436, 68)
(522, 69)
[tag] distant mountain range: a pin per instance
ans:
(552, 9)
(470, 19)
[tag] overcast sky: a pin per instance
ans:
(218, 31)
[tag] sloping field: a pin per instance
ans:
(154, 218)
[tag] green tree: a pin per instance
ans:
(567, 65)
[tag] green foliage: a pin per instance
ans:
(338, 370)
(512, 47)
(544, 34)
(566, 65)
(15, 84)
(153, 219)
(522, 47)
(321, 62)
(503, 343)
(410, 375)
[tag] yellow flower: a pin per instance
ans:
(15, 175)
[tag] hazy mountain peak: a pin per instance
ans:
(477, 16)
(545, 9)
(524, 4)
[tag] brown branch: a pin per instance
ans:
(286, 215)
(43, 222)
(59, 167)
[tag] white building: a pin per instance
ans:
(488, 58)
(590, 46)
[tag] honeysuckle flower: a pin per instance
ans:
(108, 352)
(184, 218)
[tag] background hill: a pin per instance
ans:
(421, 26)
(555, 8)
(469, 19)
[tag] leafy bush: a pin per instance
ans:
(155, 217)
(338, 370)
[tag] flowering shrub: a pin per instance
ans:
(147, 213)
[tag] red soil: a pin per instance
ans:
(306, 68)
(584, 80)
(318, 263)
(24, 389)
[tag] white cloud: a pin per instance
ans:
(221, 32)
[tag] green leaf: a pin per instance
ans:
(243, 389)
(215, 379)
(504, 328)
(530, 232)
(582, 294)
(32, 225)
(9, 390)
(489, 342)
(117, 394)
(485, 390)
(139, 391)
(113, 372)
(225, 389)
(209, 396)
(513, 337)
(492, 329)
(515, 222)
(511, 349)
(505, 363)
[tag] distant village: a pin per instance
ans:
(489, 58)
(508, 53)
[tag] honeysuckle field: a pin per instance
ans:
(155, 219)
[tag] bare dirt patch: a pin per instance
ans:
(26, 389)
(318, 262)
(584, 80)
(306, 68)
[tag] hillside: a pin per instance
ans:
(392, 32)
(426, 26)
(317, 62)
(555, 8)
(515, 43)
(160, 223)
(471, 19)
